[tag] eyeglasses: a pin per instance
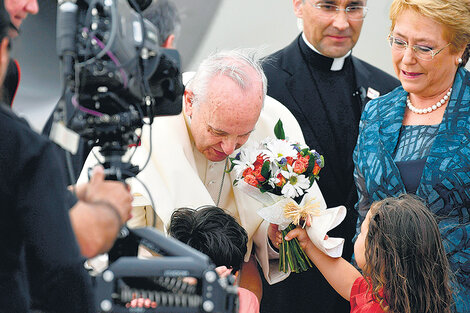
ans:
(422, 52)
(353, 12)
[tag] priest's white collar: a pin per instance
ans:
(337, 64)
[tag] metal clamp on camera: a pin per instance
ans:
(159, 283)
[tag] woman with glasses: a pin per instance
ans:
(416, 139)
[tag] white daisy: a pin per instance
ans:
(296, 184)
(276, 150)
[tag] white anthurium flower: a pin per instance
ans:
(277, 149)
(248, 157)
(296, 184)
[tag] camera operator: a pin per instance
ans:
(95, 229)
(41, 263)
(165, 16)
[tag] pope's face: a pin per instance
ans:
(223, 120)
(19, 10)
(332, 35)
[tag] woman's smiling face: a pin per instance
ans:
(420, 77)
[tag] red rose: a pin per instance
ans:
(305, 158)
(257, 173)
(247, 172)
(251, 180)
(259, 160)
(316, 169)
(282, 180)
(290, 160)
(300, 166)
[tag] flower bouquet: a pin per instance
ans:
(281, 174)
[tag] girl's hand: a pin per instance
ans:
(301, 235)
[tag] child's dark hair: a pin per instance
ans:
(406, 259)
(213, 232)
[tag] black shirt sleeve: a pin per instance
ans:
(36, 211)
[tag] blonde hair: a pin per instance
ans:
(454, 15)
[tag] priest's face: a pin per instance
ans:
(333, 33)
(19, 10)
(224, 118)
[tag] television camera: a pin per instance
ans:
(116, 79)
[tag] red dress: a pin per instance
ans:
(361, 301)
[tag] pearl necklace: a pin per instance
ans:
(428, 109)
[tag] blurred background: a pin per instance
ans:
(207, 25)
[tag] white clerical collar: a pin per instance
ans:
(337, 64)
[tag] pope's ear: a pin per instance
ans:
(298, 5)
(188, 102)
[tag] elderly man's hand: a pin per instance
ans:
(274, 235)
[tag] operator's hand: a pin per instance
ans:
(274, 235)
(116, 193)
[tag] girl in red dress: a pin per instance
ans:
(400, 252)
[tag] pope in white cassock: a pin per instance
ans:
(222, 109)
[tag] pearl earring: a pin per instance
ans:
(460, 60)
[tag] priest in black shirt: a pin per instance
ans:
(326, 88)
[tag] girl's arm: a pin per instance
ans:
(339, 273)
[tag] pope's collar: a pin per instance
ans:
(337, 64)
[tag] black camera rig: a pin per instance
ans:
(116, 77)
(159, 282)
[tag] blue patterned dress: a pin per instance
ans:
(445, 179)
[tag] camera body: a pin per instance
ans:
(115, 75)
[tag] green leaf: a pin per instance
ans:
(232, 165)
(263, 189)
(265, 170)
(311, 165)
(279, 130)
